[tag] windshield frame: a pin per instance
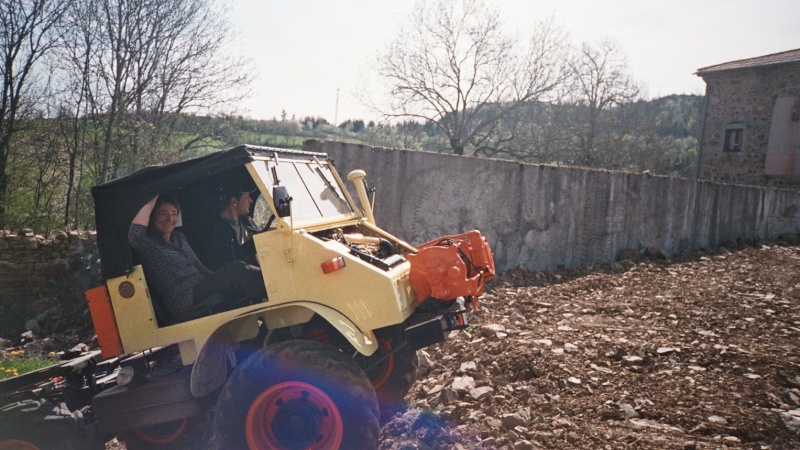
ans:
(318, 193)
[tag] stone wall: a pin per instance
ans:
(745, 96)
(40, 277)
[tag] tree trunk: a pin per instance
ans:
(3, 188)
(457, 146)
(3, 182)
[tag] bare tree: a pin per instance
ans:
(27, 35)
(599, 85)
(455, 65)
(75, 115)
(539, 136)
(143, 63)
(38, 177)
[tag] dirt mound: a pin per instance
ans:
(694, 353)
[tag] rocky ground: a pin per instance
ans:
(700, 352)
(696, 352)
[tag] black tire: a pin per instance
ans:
(392, 376)
(34, 424)
(185, 434)
(297, 395)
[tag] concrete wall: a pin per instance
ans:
(540, 217)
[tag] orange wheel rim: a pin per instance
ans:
(160, 434)
(16, 444)
(386, 368)
(293, 415)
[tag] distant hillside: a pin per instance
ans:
(674, 117)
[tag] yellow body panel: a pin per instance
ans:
(139, 330)
(368, 296)
(356, 299)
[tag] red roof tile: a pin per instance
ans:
(789, 56)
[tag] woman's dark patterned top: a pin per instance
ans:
(172, 269)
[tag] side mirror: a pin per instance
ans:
(283, 201)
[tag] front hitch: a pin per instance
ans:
(434, 330)
(451, 267)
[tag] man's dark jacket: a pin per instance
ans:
(215, 244)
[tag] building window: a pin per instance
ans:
(734, 138)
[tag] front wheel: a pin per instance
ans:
(297, 395)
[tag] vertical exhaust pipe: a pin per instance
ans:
(357, 177)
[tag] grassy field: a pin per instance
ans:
(15, 363)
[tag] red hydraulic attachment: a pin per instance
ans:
(451, 267)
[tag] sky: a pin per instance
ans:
(312, 57)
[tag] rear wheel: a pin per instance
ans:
(17, 444)
(184, 434)
(40, 425)
(297, 395)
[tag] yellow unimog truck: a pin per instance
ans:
(319, 363)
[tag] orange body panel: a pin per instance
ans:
(105, 324)
(452, 266)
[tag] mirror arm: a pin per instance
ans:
(371, 191)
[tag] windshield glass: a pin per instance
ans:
(322, 186)
(311, 184)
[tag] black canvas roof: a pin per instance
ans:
(118, 201)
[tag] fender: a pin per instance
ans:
(210, 370)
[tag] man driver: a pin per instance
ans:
(228, 234)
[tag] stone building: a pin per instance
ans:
(751, 128)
